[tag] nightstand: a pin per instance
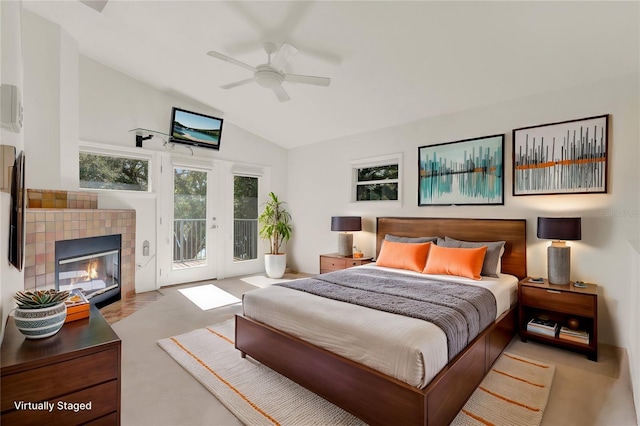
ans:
(335, 262)
(560, 304)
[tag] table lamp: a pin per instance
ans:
(559, 229)
(344, 224)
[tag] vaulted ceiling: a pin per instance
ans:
(390, 62)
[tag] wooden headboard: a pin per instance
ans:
(513, 231)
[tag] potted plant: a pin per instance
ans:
(275, 227)
(40, 313)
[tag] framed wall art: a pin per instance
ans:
(466, 172)
(568, 157)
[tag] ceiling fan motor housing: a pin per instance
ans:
(268, 77)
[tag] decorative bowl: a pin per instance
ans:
(42, 322)
(573, 323)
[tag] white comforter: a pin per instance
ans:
(408, 349)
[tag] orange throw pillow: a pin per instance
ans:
(463, 262)
(411, 256)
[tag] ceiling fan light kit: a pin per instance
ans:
(271, 75)
(268, 77)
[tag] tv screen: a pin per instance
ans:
(17, 213)
(195, 129)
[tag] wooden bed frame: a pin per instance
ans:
(374, 397)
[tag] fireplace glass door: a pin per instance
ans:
(93, 274)
(91, 265)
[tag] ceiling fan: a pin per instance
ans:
(271, 74)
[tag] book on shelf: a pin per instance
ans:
(544, 332)
(541, 326)
(536, 327)
(579, 333)
(543, 323)
(574, 339)
(580, 336)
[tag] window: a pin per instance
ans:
(376, 179)
(245, 218)
(105, 171)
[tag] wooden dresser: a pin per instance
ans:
(70, 378)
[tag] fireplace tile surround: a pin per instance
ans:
(49, 199)
(45, 226)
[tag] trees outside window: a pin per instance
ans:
(98, 171)
(189, 215)
(376, 179)
(245, 218)
(377, 183)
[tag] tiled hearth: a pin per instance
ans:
(46, 225)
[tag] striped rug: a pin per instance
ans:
(254, 393)
(513, 393)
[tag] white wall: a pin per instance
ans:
(113, 103)
(69, 112)
(11, 69)
(44, 97)
(320, 179)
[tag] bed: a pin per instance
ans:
(372, 395)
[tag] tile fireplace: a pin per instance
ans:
(73, 217)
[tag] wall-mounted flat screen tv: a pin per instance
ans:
(17, 213)
(196, 129)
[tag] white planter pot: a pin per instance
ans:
(275, 264)
(40, 323)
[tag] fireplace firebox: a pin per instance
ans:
(91, 265)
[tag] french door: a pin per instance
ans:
(189, 222)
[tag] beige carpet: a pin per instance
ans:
(515, 391)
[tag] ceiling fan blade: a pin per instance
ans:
(282, 94)
(97, 5)
(230, 60)
(307, 79)
(283, 56)
(237, 83)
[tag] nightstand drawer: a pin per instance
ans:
(356, 262)
(560, 301)
(333, 264)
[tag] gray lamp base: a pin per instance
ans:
(345, 244)
(559, 264)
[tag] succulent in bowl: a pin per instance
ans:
(40, 298)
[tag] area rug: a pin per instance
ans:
(209, 296)
(514, 392)
(254, 393)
